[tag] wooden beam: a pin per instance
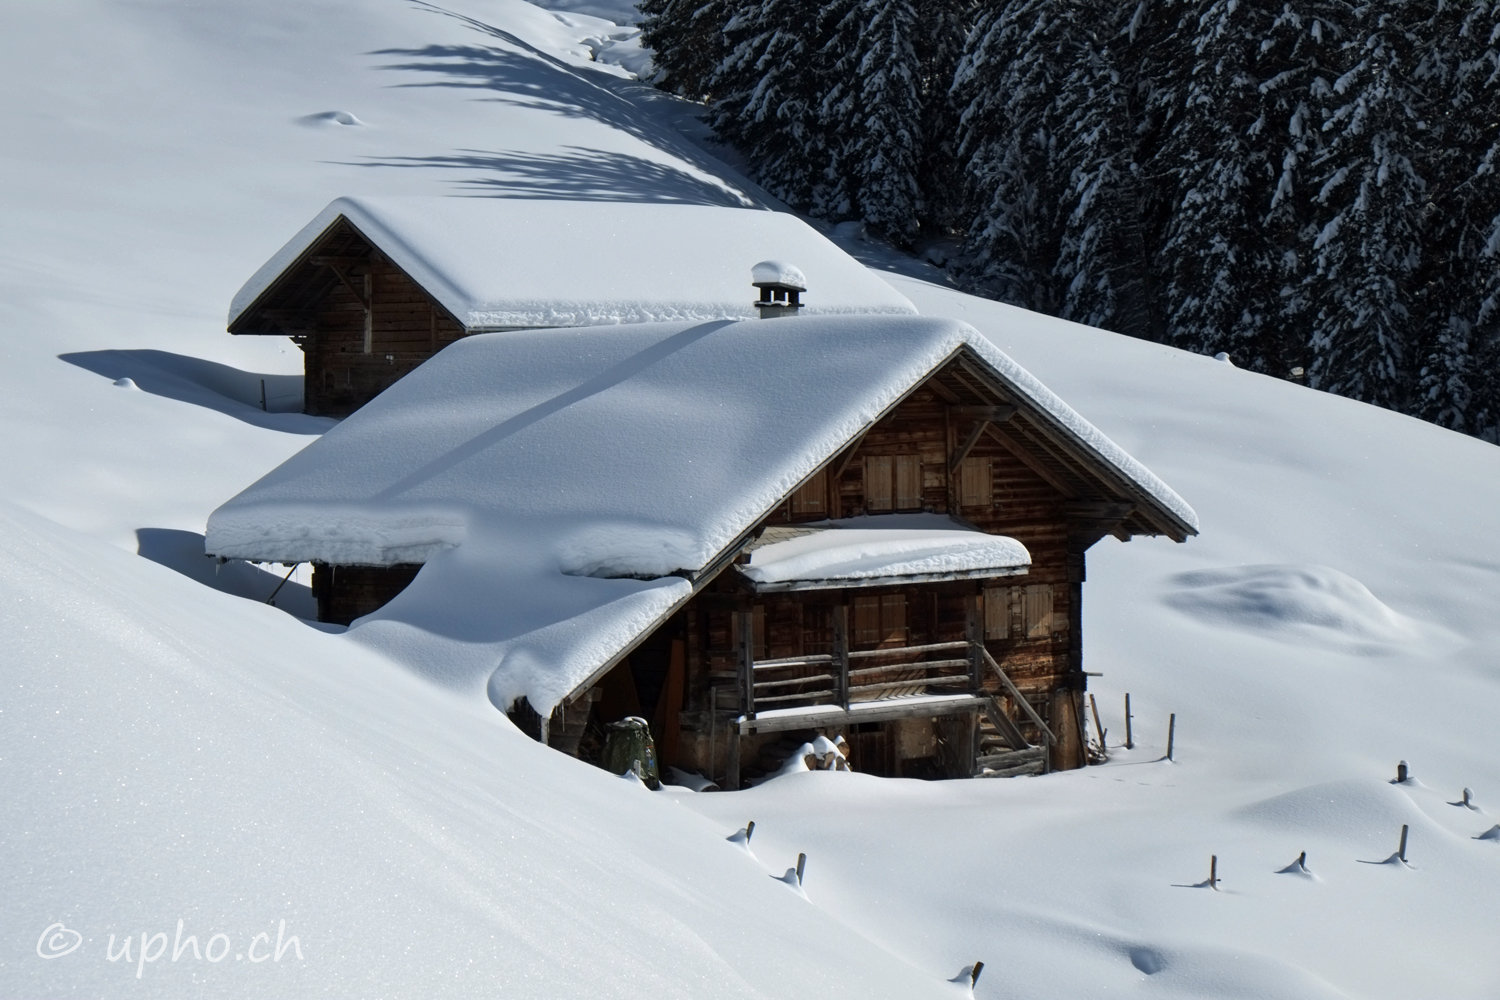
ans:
(962, 451)
(895, 708)
(1007, 729)
(837, 470)
(1026, 458)
(994, 414)
(358, 293)
(1019, 697)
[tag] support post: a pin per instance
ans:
(732, 766)
(841, 652)
(1094, 707)
(369, 313)
(1129, 742)
(974, 625)
(1171, 733)
(744, 640)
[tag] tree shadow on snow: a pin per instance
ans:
(182, 551)
(208, 384)
(581, 175)
(522, 75)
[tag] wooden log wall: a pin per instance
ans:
(345, 593)
(406, 328)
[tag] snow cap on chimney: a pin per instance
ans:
(781, 286)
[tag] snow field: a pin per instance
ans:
(173, 752)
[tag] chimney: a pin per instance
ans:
(781, 286)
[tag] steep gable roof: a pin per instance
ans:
(495, 263)
(528, 468)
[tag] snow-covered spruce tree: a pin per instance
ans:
(872, 116)
(1459, 383)
(1372, 199)
(686, 38)
(1006, 88)
(942, 31)
(1112, 211)
(768, 92)
(1238, 137)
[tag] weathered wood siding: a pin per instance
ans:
(345, 593)
(406, 328)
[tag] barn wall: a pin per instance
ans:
(407, 328)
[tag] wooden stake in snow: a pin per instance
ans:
(1401, 772)
(749, 832)
(1469, 797)
(1129, 743)
(1213, 872)
(1094, 707)
(802, 863)
(1171, 733)
(974, 974)
(1400, 851)
(263, 394)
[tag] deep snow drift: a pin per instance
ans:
(172, 751)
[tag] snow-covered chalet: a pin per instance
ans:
(633, 497)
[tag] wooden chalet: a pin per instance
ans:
(373, 287)
(875, 527)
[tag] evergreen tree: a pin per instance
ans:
(768, 96)
(1239, 140)
(1372, 196)
(686, 38)
(1459, 385)
(873, 112)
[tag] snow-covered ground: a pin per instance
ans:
(171, 748)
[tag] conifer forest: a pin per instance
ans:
(1307, 185)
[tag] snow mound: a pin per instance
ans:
(1294, 604)
(330, 118)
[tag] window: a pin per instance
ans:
(997, 612)
(893, 482)
(880, 620)
(977, 482)
(811, 496)
(1037, 611)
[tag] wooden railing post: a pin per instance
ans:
(744, 642)
(841, 653)
(975, 635)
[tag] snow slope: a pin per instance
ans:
(173, 751)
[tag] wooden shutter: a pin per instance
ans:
(879, 494)
(908, 482)
(811, 496)
(1038, 611)
(893, 620)
(867, 621)
(977, 482)
(997, 612)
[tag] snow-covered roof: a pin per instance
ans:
(553, 480)
(498, 263)
(879, 551)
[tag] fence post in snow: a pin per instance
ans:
(1129, 743)
(801, 863)
(1402, 772)
(1213, 872)
(974, 974)
(1401, 851)
(749, 832)
(1171, 733)
(1094, 707)
(263, 395)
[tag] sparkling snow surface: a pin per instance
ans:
(501, 263)
(169, 750)
(865, 549)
